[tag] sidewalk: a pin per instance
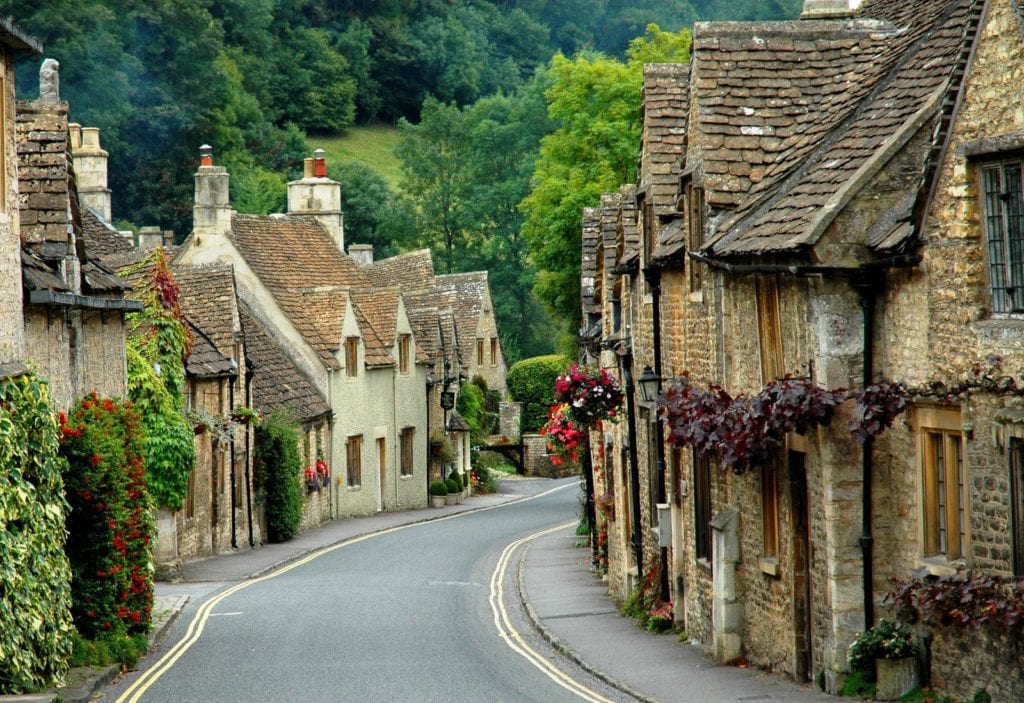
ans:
(570, 606)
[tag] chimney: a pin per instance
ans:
(830, 9)
(211, 214)
(168, 235)
(150, 238)
(90, 163)
(362, 254)
(317, 195)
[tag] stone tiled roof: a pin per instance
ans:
(666, 104)
(464, 294)
(822, 125)
(207, 300)
(101, 238)
(589, 260)
(628, 244)
(205, 361)
(297, 261)
(410, 271)
(277, 383)
(377, 312)
(671, 241)
(609, 238)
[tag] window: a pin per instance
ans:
(702, 507)
(406, 440)
(676, 475)
(942, 482)
(404, 347)
(1017, 504)
(769, 511)
(494, 351)
(479, 352)
(354, 460)
(769, 328)
(351, 356)
(695, 230)
(1004, 233)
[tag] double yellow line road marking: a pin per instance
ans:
(148, 678)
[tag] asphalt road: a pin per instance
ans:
(405, 615)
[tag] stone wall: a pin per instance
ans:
(537, 461)
(963, 661)
(12, 337)
(510, 420)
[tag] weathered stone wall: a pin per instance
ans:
(965, 660)
(510, 420)
(537, 461)
(102, 362)
(12, 336)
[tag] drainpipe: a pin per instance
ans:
(234, 478)
(430, 386)
(248, 456)
(634, 468)
(867, 286)
(653, 277)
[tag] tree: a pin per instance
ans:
(595, 100)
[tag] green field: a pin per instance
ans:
(373, 145)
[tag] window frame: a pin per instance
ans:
(1005, 276)
(494, 351)
(351, 357)
(479, 351)
(407, 456)
(702, 508)
(404, 352)
(1015, 450)
(935, 511)
(770, 510)
(354, 461)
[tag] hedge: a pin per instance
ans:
(277, 469)
(532, 383)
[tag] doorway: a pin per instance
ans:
(802, 554)
(382, 460)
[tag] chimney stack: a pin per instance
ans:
(830, 9)
(90, 162)
(211, 214)
(150, 238)
(318, 196)
(362, 254)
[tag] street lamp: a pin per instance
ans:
(650, 385)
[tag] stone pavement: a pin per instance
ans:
(571, 608)
(567, 603)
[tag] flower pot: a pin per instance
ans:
(895, 677)
(449, 499)
(436, 501)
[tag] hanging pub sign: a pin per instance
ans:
(448, 400)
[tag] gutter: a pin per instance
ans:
(49, 297)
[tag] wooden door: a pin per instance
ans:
(382, 466)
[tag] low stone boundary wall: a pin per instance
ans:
(965, 660)
(537, 461)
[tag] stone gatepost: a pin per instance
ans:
(509, 420)
(726, 609)
(165, 551)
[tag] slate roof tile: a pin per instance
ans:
(208, 301)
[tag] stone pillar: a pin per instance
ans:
(726, 609)
(510, 420)
(90, 169)
(211, 213)
(317, 195)
(165, 551)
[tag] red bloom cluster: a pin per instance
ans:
(564, 435)
(592, 394)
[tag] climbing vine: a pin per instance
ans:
(35, 618)
(158, 346)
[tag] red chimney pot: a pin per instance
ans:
(206, 155)
(319, 164)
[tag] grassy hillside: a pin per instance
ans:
(373, 145)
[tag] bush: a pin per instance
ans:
(457, 478)
(452, 486)
(122, 649)
(887, 640)
(36, 632)
(277, 470)
(438, 488)
(532, 383)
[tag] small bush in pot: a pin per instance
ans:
(452, 485)
(438, 488)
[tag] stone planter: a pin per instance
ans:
(436, 501)
(450, 499)
(895, 677)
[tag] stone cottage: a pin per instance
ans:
(830, 199)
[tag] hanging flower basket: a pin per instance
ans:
(312, 479)
(564, 435)
(323, 472)
(592, 394)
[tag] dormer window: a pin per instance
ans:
(404, 350)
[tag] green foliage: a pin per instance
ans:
(157, 348)
(859, 684)
(452, 485)
(441, 448)
(532, 383)
(889, 639)
(122, 649)
(277, 468)
(457, 478)
(110, 526)
(595, 101)
(438, 488)
(35, 593)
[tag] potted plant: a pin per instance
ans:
(887, 650)
(438, 491)
(454, 476)
(453, 490)
(312, 479)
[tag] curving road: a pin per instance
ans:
(417, 613)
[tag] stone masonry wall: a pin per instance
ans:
(12, 337)
(510, 420)
(538, 462)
